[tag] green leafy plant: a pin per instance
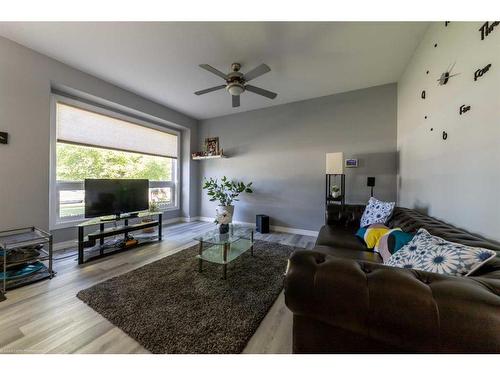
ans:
(225, 191)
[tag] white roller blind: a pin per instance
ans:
(75, 125)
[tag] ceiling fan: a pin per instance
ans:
(236, 82)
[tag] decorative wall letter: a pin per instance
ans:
(423, 94)
(487, 28)
(464, 108)
(445, 136)
(479, 73)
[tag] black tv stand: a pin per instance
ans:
(88, 243)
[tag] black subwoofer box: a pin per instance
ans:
(262, 222)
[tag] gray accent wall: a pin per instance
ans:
(282, 150)
(26, 80)
(457, 179)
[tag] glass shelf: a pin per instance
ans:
(16, 238)
(112, 218)
(215, 253)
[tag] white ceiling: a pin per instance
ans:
(160, 60)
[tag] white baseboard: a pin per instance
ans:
(275, 228)
(304, 232)
(188, 219)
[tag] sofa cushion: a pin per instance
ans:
(430, 253)
(376, 212)
(368, 256)
(340, 237)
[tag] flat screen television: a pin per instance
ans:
(105, 197)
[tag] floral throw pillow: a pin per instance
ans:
(376, 212)
(426, 252)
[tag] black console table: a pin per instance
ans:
(87, 243)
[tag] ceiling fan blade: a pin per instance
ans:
(258, 90)
(257, 72)
(211, 69)
(236, 101)
(201, 92)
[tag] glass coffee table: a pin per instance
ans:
(224, 248)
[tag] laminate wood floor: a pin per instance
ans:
(46, 317)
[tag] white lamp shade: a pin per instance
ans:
(335, 163)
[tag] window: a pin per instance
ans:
(95, 143)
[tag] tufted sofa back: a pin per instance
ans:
(411, 221)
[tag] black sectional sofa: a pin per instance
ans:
(344, 300)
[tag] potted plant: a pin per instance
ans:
(153, 207)
(335, 191)
(226, 192)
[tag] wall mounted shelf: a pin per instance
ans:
(209, 157)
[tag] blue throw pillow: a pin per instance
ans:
(392, 242)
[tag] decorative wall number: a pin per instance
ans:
(4, 138)
(443, 80)
(464, 108)
(423, 94)
(487, 28)
(445, 136)
(479, 73)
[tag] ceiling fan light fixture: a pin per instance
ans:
(235, 88)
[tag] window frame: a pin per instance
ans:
(54, 188)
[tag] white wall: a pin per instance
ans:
(26, 78)
(458, 179)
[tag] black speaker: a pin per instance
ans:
(262, 223)
(370, 181)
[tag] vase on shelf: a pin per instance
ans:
(335, 192)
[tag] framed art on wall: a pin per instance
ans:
(212, 145)
(351, 163)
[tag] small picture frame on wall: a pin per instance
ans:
(351, 163)
(212, 146)
(4, 138)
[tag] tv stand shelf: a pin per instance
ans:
(88, 242)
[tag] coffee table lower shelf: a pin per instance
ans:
(223, 254)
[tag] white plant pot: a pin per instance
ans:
(336, 194)
(225, 214)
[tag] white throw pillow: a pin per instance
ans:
(426, 252)
(376, 212)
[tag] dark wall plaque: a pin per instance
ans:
(4, 138)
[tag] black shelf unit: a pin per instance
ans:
(93, 243)
(330, 180)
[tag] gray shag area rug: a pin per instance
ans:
(169, 307)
